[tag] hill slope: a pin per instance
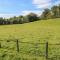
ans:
(39, 31)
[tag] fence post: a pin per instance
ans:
(17, 45)
(46, 50)
(0, 45)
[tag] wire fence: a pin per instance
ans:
(49, 51)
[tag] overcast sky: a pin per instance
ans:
(9, 8)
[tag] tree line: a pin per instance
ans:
(53, 12)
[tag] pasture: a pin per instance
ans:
(39, 31)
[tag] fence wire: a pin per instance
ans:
(33, 49)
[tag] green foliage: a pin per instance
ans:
(46, 14)
(54, 12)
(32, 17)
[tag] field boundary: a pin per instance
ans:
(36, 46)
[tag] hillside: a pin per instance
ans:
(39, 30)
(34, 32)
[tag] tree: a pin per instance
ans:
(21, 19)
(32, 17)
(15, 20)
(26, 20)
(55, 11)
(1, 20)
(59, 10)
(46, 14)
(11, 20)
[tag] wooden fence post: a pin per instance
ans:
(0, 45)
(17, 46)
(46, 50)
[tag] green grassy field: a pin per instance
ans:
(39, 31)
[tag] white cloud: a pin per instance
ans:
(42, 3)
(38, 4)
(45, 3)
(26, 12)
(8, 15)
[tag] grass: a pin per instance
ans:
(39, 31)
